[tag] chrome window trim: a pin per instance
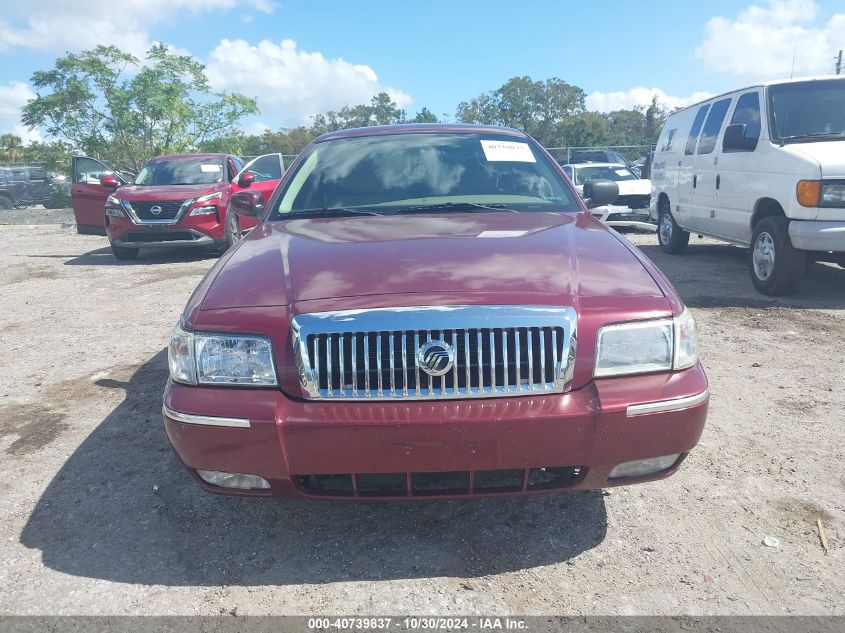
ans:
(433, 318)
(676, 404)
(204, 420)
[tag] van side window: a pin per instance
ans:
(707, 142)
(667, 146)
(747, 113)
(695, 129)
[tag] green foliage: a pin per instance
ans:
(11, 149)
(54, 156)
(166, 106)
(425, 116)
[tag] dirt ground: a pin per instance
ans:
(98, 517)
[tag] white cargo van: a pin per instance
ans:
(762, 167)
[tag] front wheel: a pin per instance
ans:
(776, 266)
(671, 237)
(233, 229)
(123, 252)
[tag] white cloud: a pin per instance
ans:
(292, 84)
(759, 43)
(59, 26)
(639, 96)
(13, 96)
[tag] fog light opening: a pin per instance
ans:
(241, 481)
(644, 467)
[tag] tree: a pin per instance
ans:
(540, 108)
(92, 100)
(54, 156)
(381, 110)
(11, 148)
(425, 116)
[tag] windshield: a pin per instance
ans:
(808, 109)
(185, 171)
(612, 172)
(394, 172)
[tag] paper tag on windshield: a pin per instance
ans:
(621, 172)
(209, 168)
(501, 151)
(498, 234)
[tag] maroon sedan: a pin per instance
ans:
(431, 311)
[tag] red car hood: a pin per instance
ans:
(167, 192)
(520, 257)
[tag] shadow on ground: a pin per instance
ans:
(717, 276)
(123, 509)
(104, 257)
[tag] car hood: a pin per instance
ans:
(830, 156)
(167, 192)
(517, 256)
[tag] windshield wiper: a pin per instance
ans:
(472, 207)
(325, 212)
(811, 135)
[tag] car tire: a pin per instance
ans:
(123, 252)
(233, 230)
(776, 266)
(6, 203)
(671, 237)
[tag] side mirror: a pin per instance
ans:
(248, 204)
(735, 138)
(599, 192)
(109, 181)
(246, 179)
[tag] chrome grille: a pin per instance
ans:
(496, 350)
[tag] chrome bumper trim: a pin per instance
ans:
(205, 420)
(668, 405)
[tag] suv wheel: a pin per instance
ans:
(776, 266)
(672, 238)
(6, 203)
(123, 252)
(233, 229)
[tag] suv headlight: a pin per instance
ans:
(642, 347)
(220, 359)
(114, 207)
(207, 204)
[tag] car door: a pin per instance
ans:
(88, 196)
(687, 179)
(267, 171)
(705, 179)
(735, 173)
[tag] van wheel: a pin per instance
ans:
(122, 252)
(672, 238)
(776, 266)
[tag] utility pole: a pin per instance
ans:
(839, 62)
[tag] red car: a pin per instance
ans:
(176, 201)
(431, 311)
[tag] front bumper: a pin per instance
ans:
(615, 215)
(815, 235)
(581, 436)
(189, 231)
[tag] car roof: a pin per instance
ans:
(421, 128)
(206, 155)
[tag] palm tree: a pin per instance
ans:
(11, 147)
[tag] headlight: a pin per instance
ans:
(221, 359)
(643, 347)
(833, 195)
(207, 204)
(114, 207)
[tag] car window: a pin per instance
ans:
(182, 171)
(390, 171)
(696, 129)
(239, 164)
(710, 131)
(568, 171)
(604, 172)
(88, 171)
(265, 168)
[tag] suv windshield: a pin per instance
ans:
(450, 171)
(612, 172)
(807, 110)
(183, 171)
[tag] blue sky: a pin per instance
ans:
(301, 57)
